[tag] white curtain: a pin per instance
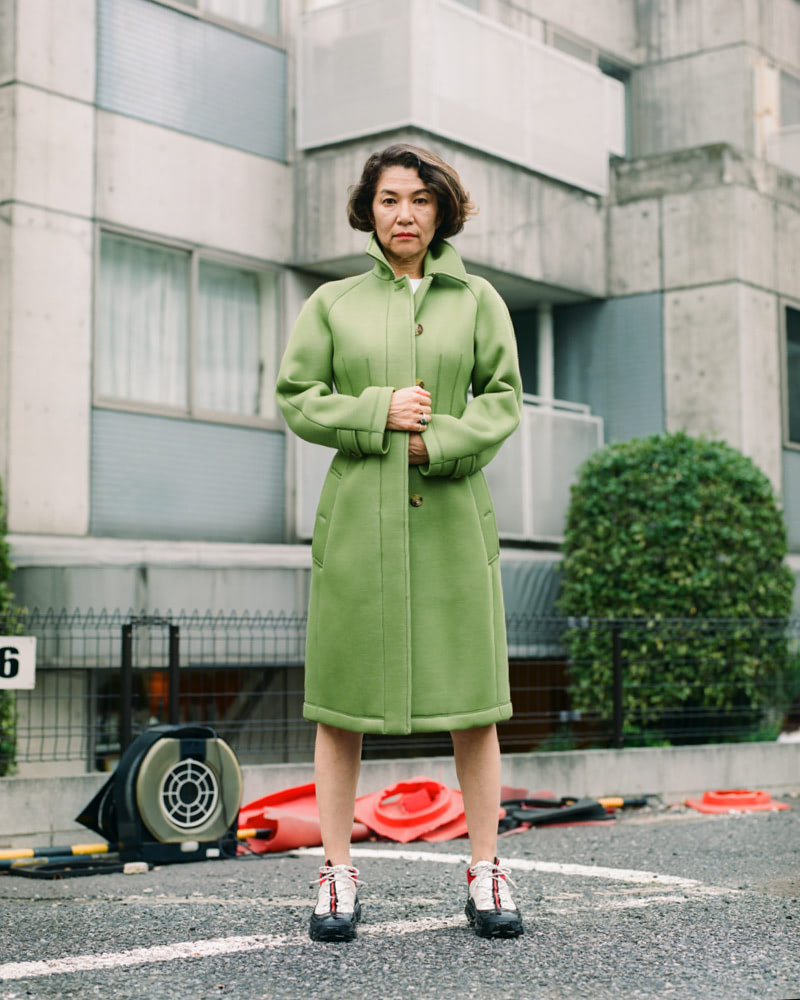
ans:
(260, 14)
(228, 356)
(143, 323)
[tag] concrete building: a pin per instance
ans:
(173, 178)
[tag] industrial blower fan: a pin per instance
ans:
(174, 796)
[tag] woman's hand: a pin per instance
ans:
(409, 410)
(417, 452)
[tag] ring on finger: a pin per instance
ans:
(423, 421)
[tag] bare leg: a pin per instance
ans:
(337, 763)
(477, 754)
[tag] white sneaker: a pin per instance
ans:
(338, 909)
(490, 908)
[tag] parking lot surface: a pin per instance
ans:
(663, 903)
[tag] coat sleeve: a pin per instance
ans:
(459, 446)
(352, 424)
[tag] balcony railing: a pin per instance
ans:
(368, 66)
(530, 479)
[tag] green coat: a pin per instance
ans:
(406, 628)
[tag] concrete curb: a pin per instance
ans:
(41, 811)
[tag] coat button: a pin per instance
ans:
(420, 383)
(415, 500)
(418, 330)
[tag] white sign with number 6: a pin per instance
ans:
(17, 662)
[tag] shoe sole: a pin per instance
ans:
(332, 928)
(494, 923)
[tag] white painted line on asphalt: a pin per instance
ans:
(682, 890)
(142, 956)
(525, 864)
(204, 949)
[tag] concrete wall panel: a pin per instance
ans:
(701, 362)
(722, 369)
(787, 250)
(634, 247)
(717, 235)
(160, 181)
(55, 46)
(54, 152)
(676, 27)
(69, 588)
(760, 380)
(47, 489)
(693, 101)
(527, 225)
(610, 25)
(232, 591)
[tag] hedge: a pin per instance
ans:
(675, 527)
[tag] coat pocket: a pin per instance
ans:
(485, 510)
(322, 523)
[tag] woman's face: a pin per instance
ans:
(406, 214)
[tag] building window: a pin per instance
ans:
(184, 441)
(790, 100)
(263, 15)
(183, 72)
(180, 334)
(793, 374)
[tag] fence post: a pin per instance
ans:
(126, 689)
(174, 675)
(616, 658)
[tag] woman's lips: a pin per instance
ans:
(405, 236)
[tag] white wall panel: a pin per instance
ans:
(370, 65)
(48, 466)
(161, 181)
(54, 144)
(56, 46)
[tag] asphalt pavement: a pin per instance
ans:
(664, 903)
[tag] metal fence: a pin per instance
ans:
(104, 677)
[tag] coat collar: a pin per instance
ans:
(441, 258)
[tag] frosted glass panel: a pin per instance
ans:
(142, 323)
(783, 148)
(438, 65)
(530, 478)
(236, 341)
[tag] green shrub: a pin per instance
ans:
(673, 527)
(7, 626)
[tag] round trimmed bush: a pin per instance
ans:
(673, 527)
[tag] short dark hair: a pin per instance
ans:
(453, 201)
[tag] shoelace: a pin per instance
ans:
(327, 874)
(487, 872)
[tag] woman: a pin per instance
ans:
(406, 629)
